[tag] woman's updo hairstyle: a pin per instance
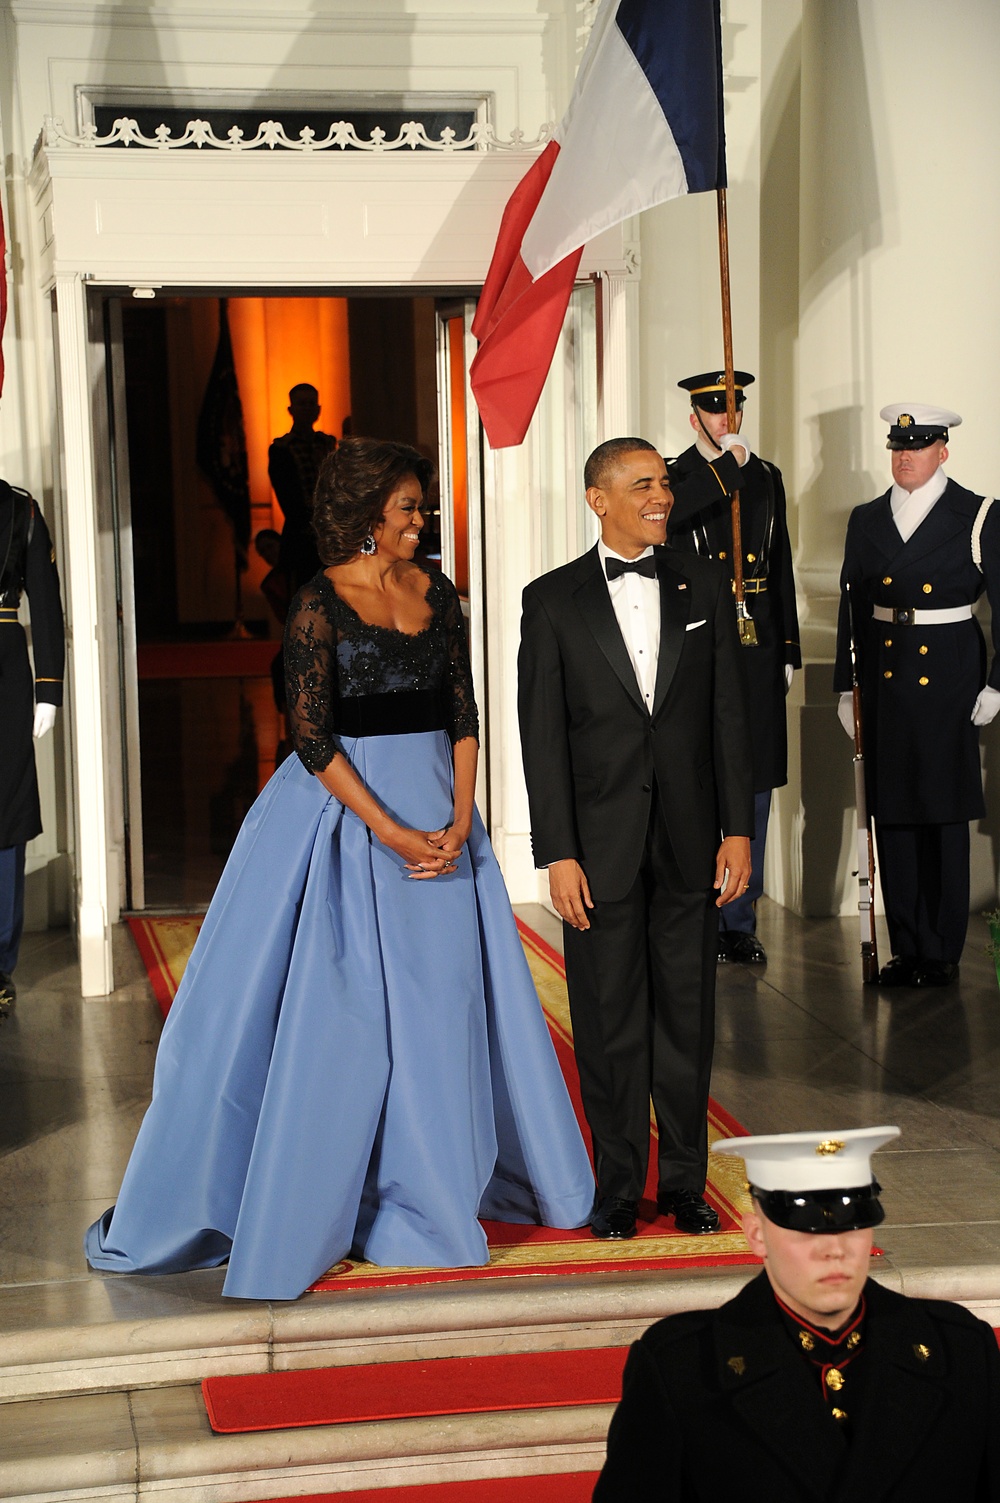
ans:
(354, 483)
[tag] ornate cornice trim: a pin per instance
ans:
(271, 133)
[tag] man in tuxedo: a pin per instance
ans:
(823, 1383)
(634, 734)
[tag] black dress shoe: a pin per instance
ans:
(900, 971)
(934, 973)
(690, 1210)
(722, 955)
(747, 949)
(615, 1218)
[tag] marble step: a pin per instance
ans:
(157, 1444)
(118, 1332)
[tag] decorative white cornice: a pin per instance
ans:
(271, 133)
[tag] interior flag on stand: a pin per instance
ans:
(645, 124)
(221, 446)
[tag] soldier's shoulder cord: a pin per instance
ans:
(977, 532)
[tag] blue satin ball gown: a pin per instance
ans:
(355, 1064)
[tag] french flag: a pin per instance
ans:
(645, 124)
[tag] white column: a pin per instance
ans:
(84, 666)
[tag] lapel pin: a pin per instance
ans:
(737, 1366)
(682, 586)
(921, 1352)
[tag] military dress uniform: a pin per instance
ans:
(921, 662)
(293, 465)
(900, 1403)
(27, 566)
(701, 522)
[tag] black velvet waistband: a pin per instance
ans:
(404, 713)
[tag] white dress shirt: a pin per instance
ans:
(636, 602)
(909, 508)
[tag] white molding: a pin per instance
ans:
(80, 511)
(166, 19)
(271, 133)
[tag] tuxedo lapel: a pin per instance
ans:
(675, 612)
(594, 604)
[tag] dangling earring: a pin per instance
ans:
(369, 546)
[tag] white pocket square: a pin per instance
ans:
(693, 625)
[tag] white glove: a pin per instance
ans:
(789, 675)
(986, 706)
(45, 719)
(845, 712)
(733, 441)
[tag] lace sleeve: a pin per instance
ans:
(460, 699)
(311, 678)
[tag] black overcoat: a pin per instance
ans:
(591, 749)
(722, 1400)
(701, 522)
(27, 563)
(919, 683)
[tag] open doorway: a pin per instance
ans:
(201, 702)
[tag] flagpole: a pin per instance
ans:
(747, 630)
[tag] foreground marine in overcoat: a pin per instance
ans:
(915, 561)
(898, 1402)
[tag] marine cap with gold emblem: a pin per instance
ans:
(914, 425)
(814, 1181)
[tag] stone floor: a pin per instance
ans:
(801, 1043)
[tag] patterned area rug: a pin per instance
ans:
(165, 944)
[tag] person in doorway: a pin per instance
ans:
(703, 479)
(293, 464)
(821, 1381)
(632, 706)
(333, 1079)
(915, 561)
(27, 704)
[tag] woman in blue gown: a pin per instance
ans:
(356, 1063)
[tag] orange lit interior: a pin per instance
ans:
(459, 452)
(278, 342)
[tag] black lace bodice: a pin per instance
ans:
(331, 654)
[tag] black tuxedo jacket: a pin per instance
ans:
(723, 1391)
(591, 749)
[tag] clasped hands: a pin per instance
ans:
(429, 853)
(570, 890)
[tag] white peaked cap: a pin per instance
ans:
(809, 1161)
(922, 415)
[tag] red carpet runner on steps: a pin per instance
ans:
(410, 1390)
(518, 1251)
(558, 1487)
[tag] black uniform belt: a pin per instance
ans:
(919, 615)
(404, 713)
(753, 586)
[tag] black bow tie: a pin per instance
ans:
(616, 567)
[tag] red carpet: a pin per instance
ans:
(408, 1390)
(518, 1251)
(558, 1487)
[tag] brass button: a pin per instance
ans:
(806, 1341)
(921, 1352)
(887, 673)
(923, 682)
(927, 589)
(853, 1340)
(839, 1415)
(722, 552)
(888, 641)
(887, 579)
(922, 650)
(751, 558)
(835, 1379)
(736, 1365)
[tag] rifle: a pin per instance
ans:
(866, 845)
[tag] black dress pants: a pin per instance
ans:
(641, 986)
(925, 885)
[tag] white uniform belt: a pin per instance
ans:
(905, 616)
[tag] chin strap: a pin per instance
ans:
(697, 412)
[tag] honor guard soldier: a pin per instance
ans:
(27, 710)
(293, 462)
(915, 561)
(703, 479)
(819, 1383)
